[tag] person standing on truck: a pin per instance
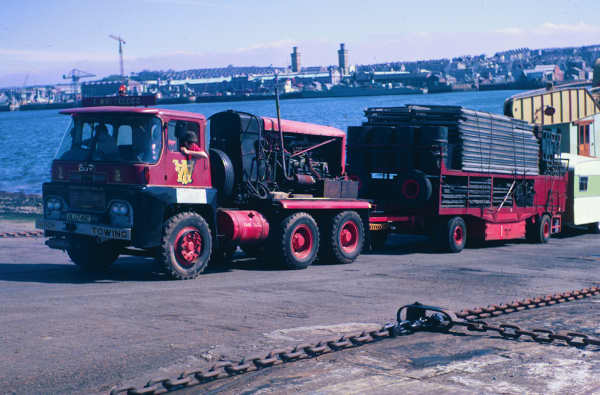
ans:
(189, 146)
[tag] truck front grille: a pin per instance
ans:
(87, 199)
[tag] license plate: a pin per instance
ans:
(110, 233)
(80, 218)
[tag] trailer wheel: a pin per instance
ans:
(186, 246)
(539, 231)
(90, 255)
(298, 241)
(452, 234)
(344, 239)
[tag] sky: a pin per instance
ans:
(40, 40)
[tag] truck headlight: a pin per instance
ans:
(119, 208)
(53, 204)
(121, 213)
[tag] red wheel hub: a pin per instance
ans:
(546, 229)
(188, 246)
(458, 235)
(349, 236)
(302, 241)
(410, 189)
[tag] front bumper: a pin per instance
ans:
(102, 231)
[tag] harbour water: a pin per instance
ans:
(28, 140)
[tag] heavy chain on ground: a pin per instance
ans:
(14, 235)
(468, 319)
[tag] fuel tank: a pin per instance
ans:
(243, 226)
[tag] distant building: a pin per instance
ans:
(596, 77)
(544, 73)
(295, 60)
(343, 59)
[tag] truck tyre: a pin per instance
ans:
(413, 188)
(540, 231)
(452, 235)
(344, 238)
(186, 246)
(298, 241)
(221, 173)
(594, 227)
(90, 255)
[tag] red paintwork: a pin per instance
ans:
(163, 173)
(302, 241)
(188, 246)
(104, 173)
(184, 115)
(508, 231)
(379, 219)
(323, 204)
(349, 236)
(167, 169)
(492, 223)
(287, 126)
(243, 226)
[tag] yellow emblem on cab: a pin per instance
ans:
(184, 169)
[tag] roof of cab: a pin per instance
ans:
(135, 110)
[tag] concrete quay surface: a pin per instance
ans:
(64, 331)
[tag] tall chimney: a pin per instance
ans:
(295, 60)
(343, 58)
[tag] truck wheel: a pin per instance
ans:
(298, 241)
(594, 227)
(452, 234)
(344, 240)
(539, 231)
(186, 246)
(92, 256)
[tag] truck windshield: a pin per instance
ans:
(112, 138)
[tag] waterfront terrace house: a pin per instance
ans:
(544, 73)
(571, 111)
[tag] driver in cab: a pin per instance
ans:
(189, 146)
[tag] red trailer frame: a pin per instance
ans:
(484, 223)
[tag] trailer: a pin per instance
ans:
(457, 175)
(122, 185)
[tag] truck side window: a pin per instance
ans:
(171, 138)
(583, 184)
(176, 130)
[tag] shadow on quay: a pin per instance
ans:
(125, 269)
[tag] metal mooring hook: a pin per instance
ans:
(419, 317)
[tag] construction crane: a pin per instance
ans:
(75, 75)
(121, 42)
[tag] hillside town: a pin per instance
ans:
(521, 68)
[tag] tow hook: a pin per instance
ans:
(419, 317)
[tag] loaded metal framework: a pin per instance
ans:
(446, 170)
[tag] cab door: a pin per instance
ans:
(184, 171)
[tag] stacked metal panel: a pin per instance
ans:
(479, 141)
